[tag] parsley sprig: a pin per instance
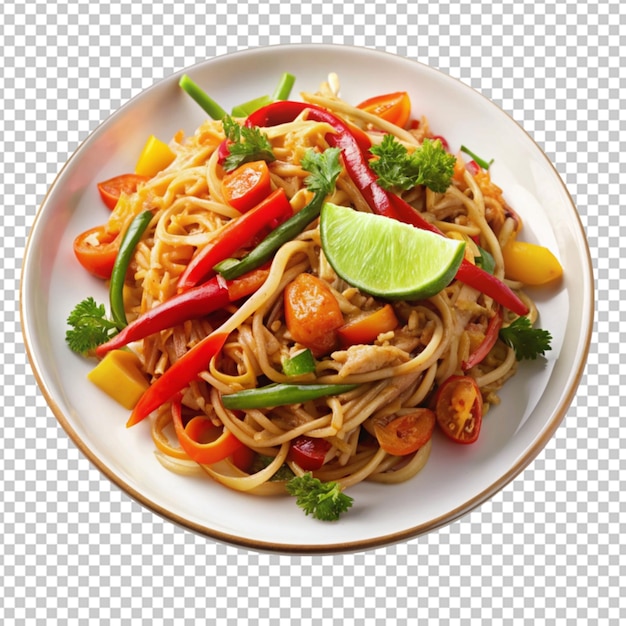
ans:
(528, 342)
(322, 500)
(428, 165)
(246, 144)
(90, 326)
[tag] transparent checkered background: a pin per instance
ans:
(547, 549)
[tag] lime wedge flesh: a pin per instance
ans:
(386, 258)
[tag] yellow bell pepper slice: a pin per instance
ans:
(155, 156)
(119, 376)
(530, 263)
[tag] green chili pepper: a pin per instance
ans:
(281, 394)
(122, 260)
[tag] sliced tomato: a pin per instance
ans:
(312, 314)
(406, 434)
(308, 452)
(366, 329)
(246, 186)
(96, 250)
(459, 408)
(111, 190)
(392, 107)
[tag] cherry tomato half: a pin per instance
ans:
(308, 452)
(392, 107)
(459, 408)
(111, 190)
(96, 250)
(407, 433)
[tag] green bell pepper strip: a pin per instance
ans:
(246, 108)
(284, 87)
(299, 364)
(210, 107)
(120, 267)
(216, 112)
(282, 92)
(280, 394)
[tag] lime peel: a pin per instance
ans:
(386, 258)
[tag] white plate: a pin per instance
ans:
(456, 478)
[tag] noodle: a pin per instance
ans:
(396, 373)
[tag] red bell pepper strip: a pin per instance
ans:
(177, 377)
(308, 452)
(211, 296)
(380, 200)
(287, 110)
(190, 436)
(238, 233)
(491, 336)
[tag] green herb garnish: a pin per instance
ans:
(428, 165)
(322, 500)
(90, 326)
(247, 144)
(528, 342)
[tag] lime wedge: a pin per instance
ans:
(386, 258)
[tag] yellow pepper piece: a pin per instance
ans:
(155, 156)
(119, 375)
(530, 263)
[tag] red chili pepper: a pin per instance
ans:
(380, 200)
(238, 233)
(491, 336)
(491, 286)
(177, 377)
(190, 437)
(212, 296)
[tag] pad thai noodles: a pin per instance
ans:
(259, 366)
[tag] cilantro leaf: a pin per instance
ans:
(245, 144)
(90, 326)
(528, 342)
(428, 165)
(323, 501)
(324, 169)
(485, 260)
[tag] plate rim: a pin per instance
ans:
(517, 467)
